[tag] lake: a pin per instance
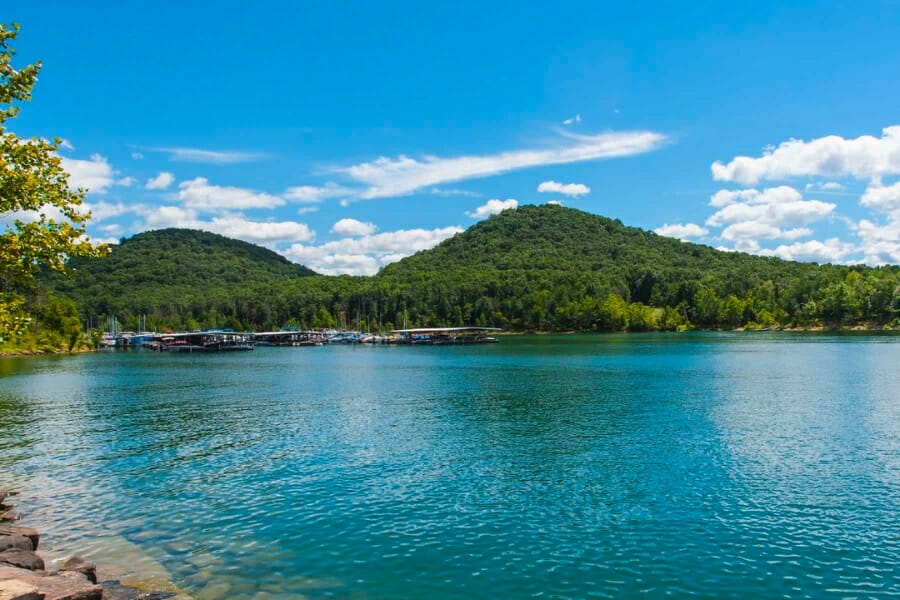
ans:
(711, 465)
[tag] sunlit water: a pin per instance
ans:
(710, 465)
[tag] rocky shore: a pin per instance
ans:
(26, 575)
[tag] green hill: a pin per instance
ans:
(551, 267)
(175, 271)
(535, 267)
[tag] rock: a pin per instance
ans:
(10, 515)
(68, 585)
(79, 565)
(11, 572)
(16, 589)
(114, 590)
(24, 559)
(3, 495)
(31, 534)
(14, 541)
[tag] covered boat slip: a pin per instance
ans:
(290, 338)
(440, 336)
(202, 341)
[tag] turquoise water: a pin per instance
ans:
(709, 465)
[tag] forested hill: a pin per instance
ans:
(551, 237)
(535, 267)
(560, 268)
(181, 269)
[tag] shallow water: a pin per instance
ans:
(709, 465)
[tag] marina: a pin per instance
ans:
(223, 340)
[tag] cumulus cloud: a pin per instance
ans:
(160, 182)
(779, 207)
(213, 157)
(313, 193)
(199, 194)
(95, 175)
(566, 189)
(882, 198)
(682, 231)
(832, 250)
(365, 255)
(827, 186)
(492, 207)
(831, 156)
(353, 228)
(388, 177)
(100, 211)
(880, 244)
(230, 225)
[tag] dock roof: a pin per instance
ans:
(444, 329)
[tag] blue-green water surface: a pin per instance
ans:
(704, 465)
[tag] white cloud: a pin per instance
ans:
(554, 203)
(882, 198)
(230, 225)
(213, 157)
(453, 192)
(773, 195)
(353, 228)
(199, 194)
(126, 181)
(101, 211)
(365, 255)
(264, 232)
(830, 156)
(492, 207)
(95, 174)
(160, 182)
(682, 231)
(312, 193)
(573, 120)
(566, 189)
(137, 156)
(305, 210)
(781, 206)
(388, 177)
(880, 244)
(832, 250)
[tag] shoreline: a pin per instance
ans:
(30, 572)
(810, 329)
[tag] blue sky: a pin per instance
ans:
(348, 135)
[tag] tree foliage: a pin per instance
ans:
(534, 268)
(44, 225)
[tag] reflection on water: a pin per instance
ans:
(716, 465)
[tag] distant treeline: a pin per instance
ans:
(535, 268)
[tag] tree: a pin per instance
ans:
(44, 225)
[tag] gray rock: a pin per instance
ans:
(19, 542)
(24, 559)
(80, 565)
(16, 589)
(31, 534)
